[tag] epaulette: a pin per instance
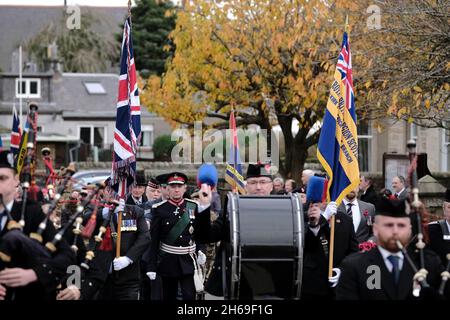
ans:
(156, 205)
(433, 222)
(196, 202)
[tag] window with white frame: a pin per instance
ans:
(364, 145)
(93, 135)
(28, 88)
(147, 136)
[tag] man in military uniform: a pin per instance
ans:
(152, 289)
(152, 192)
(439, 232)
(123, 273)
(31, 273)
(384, 273)
(176, 224)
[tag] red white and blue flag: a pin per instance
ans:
(128, 119)
(16, 134)
(337, 150)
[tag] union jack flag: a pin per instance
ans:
(16, 133)
(128, 119)
(344, 65)
(337, 149)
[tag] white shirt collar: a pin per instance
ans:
(448, 225)
(9, 205)
(354, 202)
(398, 193)
(385, 254)
(139, 199)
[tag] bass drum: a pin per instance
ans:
(265, 251)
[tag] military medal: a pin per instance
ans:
(191, 213)
(129, 225)
(176, 211)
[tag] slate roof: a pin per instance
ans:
(21, 23)
(71, 98)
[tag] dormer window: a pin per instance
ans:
(29, 88)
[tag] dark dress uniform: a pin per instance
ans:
(315, 261)
(132, 201)
(360, 271)
(176, 268)
(124, 284)
(92, 277)
(27, 253)
(439, 234)
(219, 231)
(150, 289)
(356, 270)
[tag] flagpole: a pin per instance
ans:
(333, 218)
(234, 186)
(20, 87)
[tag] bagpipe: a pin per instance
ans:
(75, 218)
(69, 171)
(422, 216)
(26, 160)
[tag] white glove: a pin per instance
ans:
(330, 210)
(151, 275)
(121, 206)
(121, 262)
(201, 258)
(105, 212)
(334, 279)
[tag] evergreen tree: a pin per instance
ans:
(152, 21)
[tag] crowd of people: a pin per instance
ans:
(165, 243)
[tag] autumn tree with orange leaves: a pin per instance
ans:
(271, 60)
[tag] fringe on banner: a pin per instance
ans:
(123, 169)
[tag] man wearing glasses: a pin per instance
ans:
(259, 180)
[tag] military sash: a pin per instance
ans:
(182, 223)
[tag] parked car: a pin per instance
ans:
(85, 177)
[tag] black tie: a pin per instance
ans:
(349, 208)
